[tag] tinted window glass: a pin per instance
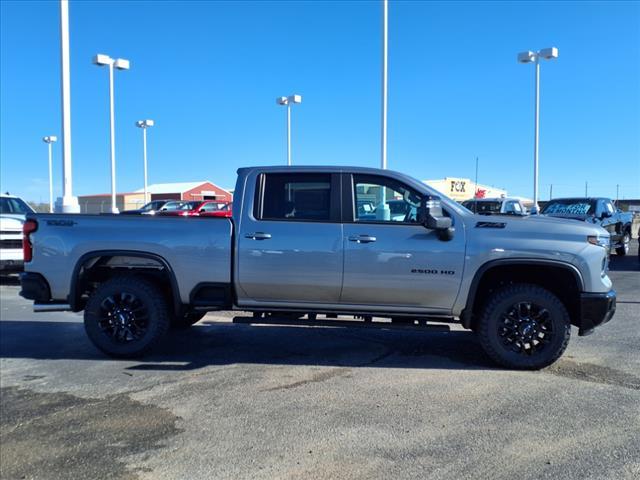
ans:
(172, 205)
(14, 205)
(380, 199)
(569, 207)
(483, 207)
(293, 196)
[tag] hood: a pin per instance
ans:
(537, 225)
(11, 222)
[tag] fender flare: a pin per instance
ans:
(74, 296)
(467, 313)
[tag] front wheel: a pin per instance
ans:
(524, 326)
(126, 316)
(623, 249)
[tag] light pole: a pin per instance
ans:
(534, 57)
(383, 145)
(49, 140)
(120, 64)
(144, 124)
(287, 101)
(68, 203)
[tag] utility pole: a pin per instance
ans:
(383, 145)
(550, 191)
(475, 187)
(586, 188)
(68, 203)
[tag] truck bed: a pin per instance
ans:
(197, 250)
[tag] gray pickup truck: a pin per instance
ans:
(301, 249)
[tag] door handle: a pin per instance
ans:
(362, 239)
(258, 236)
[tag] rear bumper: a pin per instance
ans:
(595, 309)
(35, 287)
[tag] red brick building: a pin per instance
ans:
(187, 191)
(160, 191)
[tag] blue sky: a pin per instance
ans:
(208, 74)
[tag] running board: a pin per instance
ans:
(339, 323)
(51, 307)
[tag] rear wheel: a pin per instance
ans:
(623, 249)
(524, 327)
(126, 317)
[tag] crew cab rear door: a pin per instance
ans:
(390, 259)
(290, 243)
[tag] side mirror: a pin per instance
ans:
(605, 214)
(430, 215)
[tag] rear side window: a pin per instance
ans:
(294, 196)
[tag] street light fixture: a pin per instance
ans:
(144, 124)
(288, 101)
(49, 140)
(534, 57)
(120, 64)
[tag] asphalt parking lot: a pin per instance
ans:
(245, 402)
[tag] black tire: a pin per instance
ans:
(623, 249)
(524, 327)
(186, 320)
(126, 316)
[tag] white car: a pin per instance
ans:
(13, 211)
(496, 206)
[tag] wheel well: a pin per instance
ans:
(94, 269)
(563, 282)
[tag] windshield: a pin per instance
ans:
(14, 205)
(482, 207)
(569, 206)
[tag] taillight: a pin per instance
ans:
(28, 228)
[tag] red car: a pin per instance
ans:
(206, 208)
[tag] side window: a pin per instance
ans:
(380, 199)
(509, 207)
(295, 196)
(609, 207)
(209, 207)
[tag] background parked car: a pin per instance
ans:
(599, 211)
(12, 215)
(206, 208)
(150, 208)
(496, 206)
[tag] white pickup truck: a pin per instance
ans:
(300, 246)
(13, 211)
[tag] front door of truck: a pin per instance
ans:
(390, 259)
(290, 246)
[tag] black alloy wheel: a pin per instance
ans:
(123, 318)
(525, 328)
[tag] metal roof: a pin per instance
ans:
(178, 187)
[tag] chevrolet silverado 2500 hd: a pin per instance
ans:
(299, 245)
